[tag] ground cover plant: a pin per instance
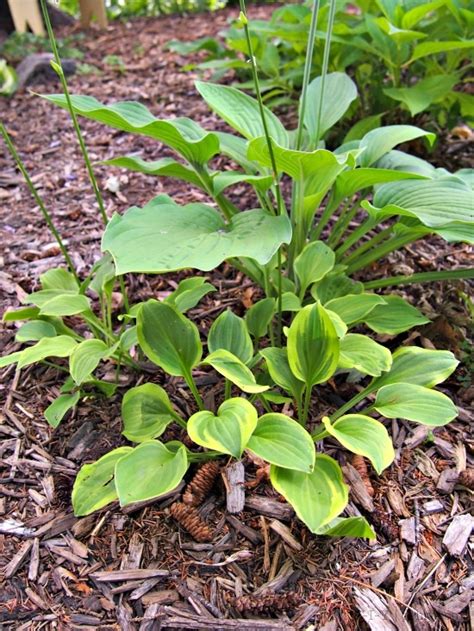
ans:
(301, 274)
(405, 57)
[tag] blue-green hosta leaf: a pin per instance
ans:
(436, 203)
(148, 471)
(94, 487)
(168, 338)
(224, 179)
(354, 307)
(166, 167)
(35, 330)
(361, 353)
(60, 279)
(418, 366)
(56, 411)
(456, 232)
(233, 369)
(163, 236)
(282, 441)
(229, 332)
(290, 301)
(59, 346)
(339, 92)
(189, 292)
(350, 182)
(380, 141)
(420, 96)
(235, 147)
(280, 371)
(229, 431)
(347, 527)
(334, 285)
(400, 161)
(317, 497)
(65, 305)
(365, 436)
(25, 313)
(415, 403)
(241, 111)
(313, 345)
(146, 412)
(394, 317)
(85, 358)
(181, 134)
(259, 316)
(313, 263)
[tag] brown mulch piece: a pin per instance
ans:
(136, 568)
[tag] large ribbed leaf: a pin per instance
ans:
(381, 140)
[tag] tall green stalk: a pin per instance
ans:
(39, 201)
(324, 70)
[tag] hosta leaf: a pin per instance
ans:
(94, 487)
(189, 292)
(280, 371)
(347, 527)
(85, 358)
(229, 431)
(148, 471)
(338, 322)
(182, 134)
(354, 307)
(350, 182)
(420, 96)
(317, 497)
(282, 441)
(59, 346)
(162, 237)
(229, 332)
(339, 92)
(168, 338)
(418, 366)
(224, 179)
(363, 436)
(65, 305)
(379, 141)
(259, 317)
(241, 112)
(335, 285)
(35, 330)
(166, 167)
(361, 353)
(313, 346)
(60, 279)
(56, 411)
(394, 317)
(313, 263)
(146, 412)
(233, 369)
(26, 313)
(436, 47)
(415, 403)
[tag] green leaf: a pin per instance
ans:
(241, 112)
(233, 369)
(380, 141)
(26, 313)
(354, 307)
(313, 263)
(435, 203)
(148, 471)
(229, 332)
(290, 302)
(59, 279)
(229, 431)
(317, 497)
(163, 237)
(85, 358)
(436, 47)
(35, 330)
(189, 292)
(94, 487)
(280, 371)
(335, 285)
(259, 317)
(418, 366)
(415, 403)
(394, 317)
(65, 305)
(146, 412)
(166, 167)
(313, 346)
(181, 134)
(348, 527)
(361, 353)
(350, 182)
(224, 179)
(168, 338)
(362, 127)
(56, 411)
(420, 96)
(364, 436)
(59, 346)
(338, 322)
(339, 92)
(282, 441)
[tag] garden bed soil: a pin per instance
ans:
(138, 569)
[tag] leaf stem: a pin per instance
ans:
(360, 396)
(192, 386)
(422, 277)
(307, 399)
(324, 70)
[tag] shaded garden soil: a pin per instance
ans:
(56, 568)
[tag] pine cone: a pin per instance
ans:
(191, 521)
(266, 603)
(466, 478)
(359, 463)
(201, 484)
